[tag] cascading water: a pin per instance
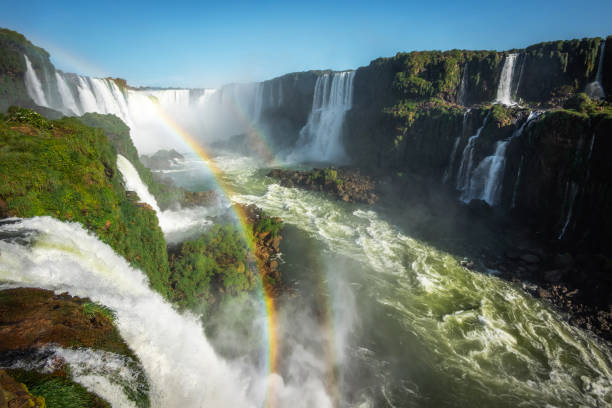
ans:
(112, 377)
(320, 139)
(181, 366)
(445, 336)
(486, 180)
(33, 84)
(453, 155)
(177, 225)
(570, 199)
(467, 159)
(69, 104)
(504, 90)
(595, 89)
(461, 97)
(517, 183)
(203, 112)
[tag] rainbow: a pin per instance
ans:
(264, 292)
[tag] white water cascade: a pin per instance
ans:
(453, 156)
(66, 95)
(461, 97)
(570, 199)
(595, 89)
(487, 179)
(182, 368)
(504, 89)
(467, 159)
(176, 224)
(33, 84)
(209, 114)
(320, 138)
(517, 183)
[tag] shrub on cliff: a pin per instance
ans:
(211, 265)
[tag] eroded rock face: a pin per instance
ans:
(348, 185)
(32, 318)
(16, 395)
(267, 247)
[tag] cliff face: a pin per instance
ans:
(287, 101)
(415, 113)
(13, 47)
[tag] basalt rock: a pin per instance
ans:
(348, 185)
(32, 318)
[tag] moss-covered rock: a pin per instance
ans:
(16, 395)
(32, 318)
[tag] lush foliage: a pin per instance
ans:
(58, 391)
(211, 265)
(67, 170)
(91, 309)
(118, 134)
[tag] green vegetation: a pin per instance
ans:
(327, 175)
(219, 263)
(269, 225)
(91, 309)
(118, 134)
(67, 170)
(211, 265)
(58, 391)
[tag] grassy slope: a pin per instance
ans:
(67, 170)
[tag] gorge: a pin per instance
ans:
(493, 199)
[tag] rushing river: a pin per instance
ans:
(374, 317)
(411, 327)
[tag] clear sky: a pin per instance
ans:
(205, 44)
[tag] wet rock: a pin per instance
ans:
(467, 263)
(346, 184)
(513, 255)
(563, 261)
(32, 318)
(530, 258)
(544, 293)
(553, 276)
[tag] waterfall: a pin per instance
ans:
(570, 199)
(320, 138)
(182, 368)
(33, 84)
(258, 103)
(453, 156)
(517, 182)
(86, 96)
(595, 89)
(461, 97)
(134, 183)
(467, 159)
(177, 224)
(504, 90)
(486, 181)
(68, 102)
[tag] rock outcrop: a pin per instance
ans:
(346, 184)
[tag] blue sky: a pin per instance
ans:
(205, 44)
